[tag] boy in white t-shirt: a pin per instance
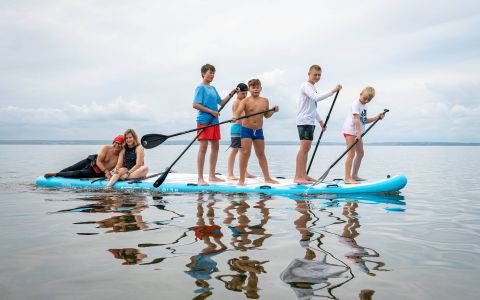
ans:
(352, 130)
(307, 116)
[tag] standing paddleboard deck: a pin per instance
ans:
(186, 183)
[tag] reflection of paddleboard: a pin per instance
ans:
(360, 198)
(186, 183)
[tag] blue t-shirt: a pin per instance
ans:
(207, 96)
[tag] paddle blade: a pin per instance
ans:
(160, 179)
(322, 178)
(152, 140)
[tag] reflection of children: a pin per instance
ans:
(252, 132)
(202, 265)
(206, 101)
(352, 130)
(235, 131)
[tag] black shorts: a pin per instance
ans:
(305, 132)
(236, 142)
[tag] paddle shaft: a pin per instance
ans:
(207, 126)
(348, 149)
(321, 132)
(162, 177)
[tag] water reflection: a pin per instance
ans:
(358, 254)
(128, 206)
(131, 256)
(243, 233)
(312, 272)
(202, 265)
(246, 279)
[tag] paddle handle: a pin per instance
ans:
(321, 132)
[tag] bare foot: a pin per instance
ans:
(310, 179)
(233, 177)
(250, 175)
(202, 182)
(51, 174)
(301, 181)
(241, 182)
(215, 179)
(272, 181)
(359, 178)
(351, 181)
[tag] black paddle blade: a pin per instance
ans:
(150, 141)
(160, 179)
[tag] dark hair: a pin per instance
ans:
(207, 67)
(243, 87)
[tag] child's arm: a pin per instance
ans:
(239, 111)
(205, 109)
(230, 95)
(270, 113)
(358, 127)
(379, 116)
(234, 109)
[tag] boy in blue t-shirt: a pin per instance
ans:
(206, 101)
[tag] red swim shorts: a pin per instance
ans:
(210, 133)
(346, 134)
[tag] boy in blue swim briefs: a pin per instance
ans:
(235, 130)
(252, 132)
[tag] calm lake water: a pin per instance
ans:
(77, 244)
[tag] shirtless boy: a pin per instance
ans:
(94, 166)
(252, 132)
(235, 131)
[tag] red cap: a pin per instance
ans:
(118, 139)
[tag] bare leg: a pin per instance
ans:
(262, 160)
(301, 176)
(244, 156)
(214, 147)
(202, 151)
(231, 164)
(348, 162)
(138, 173)
(359, 153)
(116, 176)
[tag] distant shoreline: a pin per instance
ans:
(181, 142)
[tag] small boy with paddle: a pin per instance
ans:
(352, 130)
(206, 101)
(252, 132)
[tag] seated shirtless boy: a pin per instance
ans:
(252, 132)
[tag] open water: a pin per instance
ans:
(78, 244)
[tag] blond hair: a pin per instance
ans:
(136, 142)
(314, 67)
(254, 82)
(368, 92)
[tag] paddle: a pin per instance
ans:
(321, 132)
(162, 178)
(322, 178)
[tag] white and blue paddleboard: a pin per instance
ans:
(186, 183)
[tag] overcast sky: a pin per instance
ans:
(91, 69)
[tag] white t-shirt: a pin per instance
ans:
(357, 109)
(307, 104)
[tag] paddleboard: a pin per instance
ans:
(186, 183)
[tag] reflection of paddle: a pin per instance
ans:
(162, 178)
(321, 132)
(153, 140)
(322, 178)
